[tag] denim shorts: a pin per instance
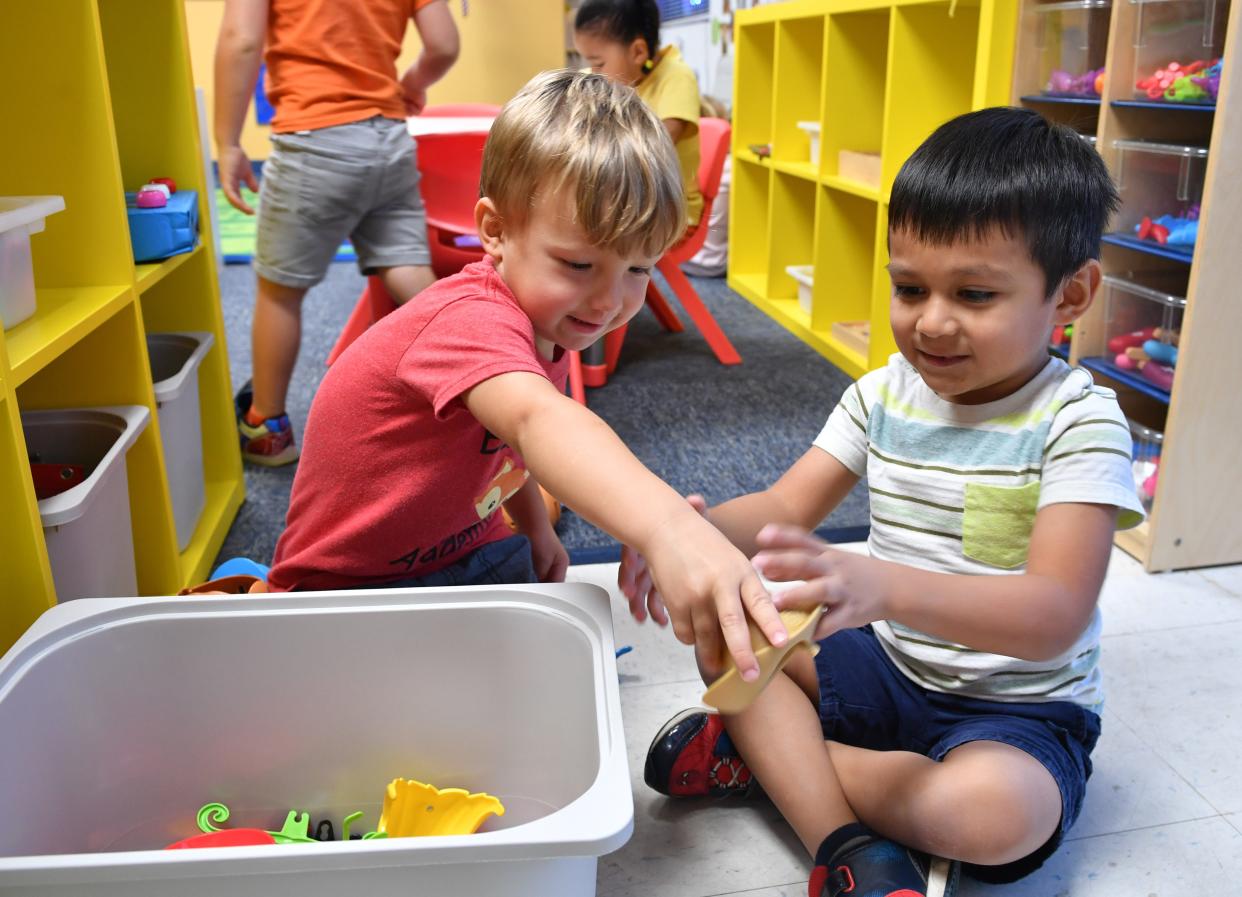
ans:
(505, 562)
(357, 180)
(867, 702)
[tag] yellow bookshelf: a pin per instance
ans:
(878, 76)
(105, 102)
(1193, 520)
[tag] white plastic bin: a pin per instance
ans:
(805, 275)
(812, 131)
(20, 216)
(175, 360)
(90, 542)
(120, 718)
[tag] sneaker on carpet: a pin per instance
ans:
(692, 756)
(269, 442)
(862, 864)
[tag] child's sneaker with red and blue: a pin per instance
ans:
(264, 441)
(692, 756)
(856, 861)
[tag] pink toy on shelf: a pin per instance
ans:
(1158, 375)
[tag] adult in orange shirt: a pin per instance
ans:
(342, 164)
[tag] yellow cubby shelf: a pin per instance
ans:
(878, 76)
(122, 69)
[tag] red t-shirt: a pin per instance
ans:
(397, 479)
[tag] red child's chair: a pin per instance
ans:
(714, 136)
(450, 165)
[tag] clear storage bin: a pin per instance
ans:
(87, 528)
(175, 360)
(1146, 445)
(1177, 50)
(1068, 42)
(1142, 329)
(1161, 186)
(127, 715)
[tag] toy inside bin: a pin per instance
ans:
(20, 217)
(1142, 331)
(313, 702)
(1178, 45)
(87, 527)
(175, 360)
(1062, 48)
(1161, 186)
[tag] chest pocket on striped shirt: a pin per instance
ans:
(997, 522)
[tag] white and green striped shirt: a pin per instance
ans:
(955, 488)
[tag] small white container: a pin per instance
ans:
(20, 216)
(805, 275)
(126, 716)
(175, 360)
(812, 131)
(90, 542)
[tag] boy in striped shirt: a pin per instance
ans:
(955, 701)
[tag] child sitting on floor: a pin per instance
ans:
(954, 704)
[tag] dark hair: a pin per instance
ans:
(1013, 169)
(621, 21)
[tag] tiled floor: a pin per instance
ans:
(1164, 809)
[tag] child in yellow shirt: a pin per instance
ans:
(618, 38)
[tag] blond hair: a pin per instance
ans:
(577, 131)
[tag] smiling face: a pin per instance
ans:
(972, 317)
(619, 61)
(573, 291)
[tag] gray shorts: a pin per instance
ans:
(358, 180)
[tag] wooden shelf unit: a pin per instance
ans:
(878, 76)
(102, 100)
(1194, 519)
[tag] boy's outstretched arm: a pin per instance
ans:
(441, 45)
(709, 587)
(803, 496)
(1034, 615)
(239, 52)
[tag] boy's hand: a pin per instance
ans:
(634, 578)
(709, 589)
(549, 555)
(235, 170)
(853, 588)
(413, 94)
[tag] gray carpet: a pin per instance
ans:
(700, 426)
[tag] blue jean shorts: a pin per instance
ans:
(867, 702)
(499, 563)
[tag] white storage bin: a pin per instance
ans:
(90, 542)
(812, 131)
(175, 359)
(20, 216)
(805, 275)
(131, 714)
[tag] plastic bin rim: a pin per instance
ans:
(583, 605)
(1168, 149)
(804, 274)
(25, 211)
(170, 388)
(1071, 5)
(1146, 292)
(71, 504)
(1141, 432)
